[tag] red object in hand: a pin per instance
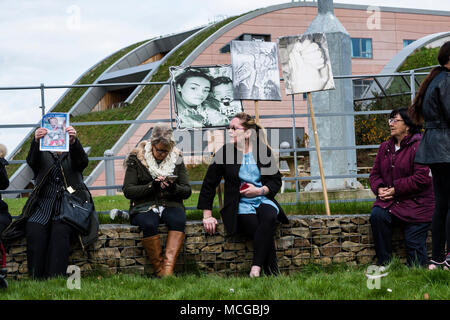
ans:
(244, 186)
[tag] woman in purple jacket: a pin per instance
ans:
(404, 192)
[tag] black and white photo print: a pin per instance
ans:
(255, 70)
(204, 96)
(305, 63)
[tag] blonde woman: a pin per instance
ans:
(252, 180)
(156, 182)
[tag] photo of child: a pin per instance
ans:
(56, 138)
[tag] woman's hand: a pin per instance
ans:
(386, 194)
(39, 133)
(162, 182)
(251, 191)
(209, 222)
(72, 134)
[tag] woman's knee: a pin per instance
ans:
(175, 218)
(146, 223)
(378, 215)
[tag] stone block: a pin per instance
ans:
(301, 232)
(284, 242)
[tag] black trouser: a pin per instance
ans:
(5, 220)
(173, 217)
(415, 235)
(261, 227)
(440, 225)
(48, 248)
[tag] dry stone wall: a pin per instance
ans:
(307, 239)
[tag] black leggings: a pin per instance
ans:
(174, 218)
(261, 227)
(48, 248)
(441, 217)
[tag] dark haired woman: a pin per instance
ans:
(432, 105)
(48, 237)
(404, 192)
(195, 107)
(252, 180)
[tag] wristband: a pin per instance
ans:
(262, 191)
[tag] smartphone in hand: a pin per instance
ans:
(244, 186)
(171, 178)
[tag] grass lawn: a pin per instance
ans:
(335, 282)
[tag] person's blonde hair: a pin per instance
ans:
(3, 151)
(162, 133)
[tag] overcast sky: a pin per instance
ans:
(55, 41)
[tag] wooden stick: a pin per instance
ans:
(219, 189)
(319, 157)
(256, 112)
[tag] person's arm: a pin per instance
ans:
(415, 183)
(131, 187)
(4, 181)
(34, 155)
(444, 98)
(212, 179)
(375, 179)
(78, 156)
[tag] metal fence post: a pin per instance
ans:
(412, 81)
(109, 172)
(42, 99)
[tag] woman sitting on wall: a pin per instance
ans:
(156, 182)
(252, 180)
(404, 192)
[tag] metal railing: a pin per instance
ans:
(109, 157)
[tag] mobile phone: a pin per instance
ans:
(244, 186)
(171, 177)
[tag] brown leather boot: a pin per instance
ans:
(153, 248)
(173, 245)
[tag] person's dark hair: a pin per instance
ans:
(415, 110)
(189, 73)
(220, 80)
(403, 112)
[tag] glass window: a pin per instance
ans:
(361, 48)
(407, 42)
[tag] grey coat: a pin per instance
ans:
(434, 146)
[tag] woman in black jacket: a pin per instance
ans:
(432, 105)
(5, 217)
(156, 182)
(48, 237)
(252, 180)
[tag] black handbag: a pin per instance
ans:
(75, 211)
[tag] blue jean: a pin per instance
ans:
(415, 235)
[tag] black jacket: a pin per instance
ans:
(4, 183)
(434, 146)
(73, 164)
(139, 188)
(229, 170)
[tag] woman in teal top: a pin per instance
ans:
(252, 180)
